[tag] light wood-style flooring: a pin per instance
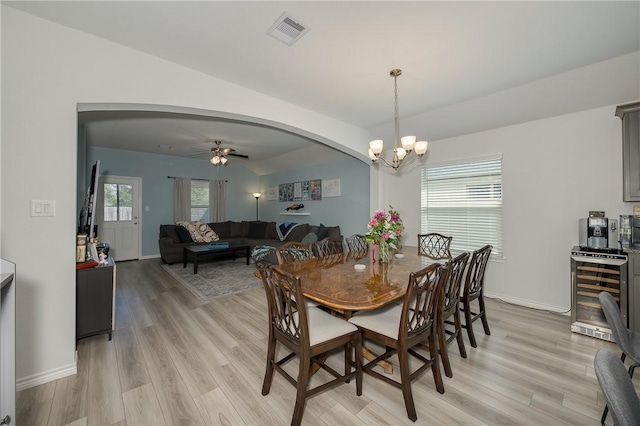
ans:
(177, 361)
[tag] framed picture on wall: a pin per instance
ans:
(315, 189)
(331, 188)
(272, 193)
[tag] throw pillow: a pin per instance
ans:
(183, 235)
(322, 232)
(199, 231)
(311, 237)
(257, 229)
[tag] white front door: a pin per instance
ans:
(118, 215)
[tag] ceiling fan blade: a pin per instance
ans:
(238, 155)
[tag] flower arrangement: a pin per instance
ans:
(385, 227)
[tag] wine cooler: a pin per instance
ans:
(593, 271)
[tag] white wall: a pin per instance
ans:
(46, 70)
(554, 171)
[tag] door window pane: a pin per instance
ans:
(118, 202)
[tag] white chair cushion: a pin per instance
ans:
(385, 320)
(323, 326)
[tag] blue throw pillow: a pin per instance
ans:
(322, 232)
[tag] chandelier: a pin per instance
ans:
(409, 144)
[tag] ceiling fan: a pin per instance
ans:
(219, 154)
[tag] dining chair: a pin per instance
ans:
(402, 328)
(627, 340)
(449, 307)
(435, 246)
(293, 251)
(327, 247)
(617, 388)
(357, 245)
(473, 290)
(308, 333)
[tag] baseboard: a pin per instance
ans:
(46, 377)
(528, 303)
(150, 256)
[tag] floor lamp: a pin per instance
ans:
(257, 195)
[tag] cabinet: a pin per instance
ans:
(95, 300)
(630, 115)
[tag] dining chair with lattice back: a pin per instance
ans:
(627, 340)
(450, 308)
(435, 246)
(293, 251)
(327, 247)
(308, 334)
(473, 290)
(402, 328)
(357, 245)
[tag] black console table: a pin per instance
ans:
(95, 300)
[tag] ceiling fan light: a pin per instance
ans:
(408, 142)
(421, 147)
(376, 146)
(223, 161)
(215, 160)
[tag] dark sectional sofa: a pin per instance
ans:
(251, 233)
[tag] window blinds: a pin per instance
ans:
(464, 201)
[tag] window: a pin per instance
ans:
(117, 202)
(200, 200)
(464, 200)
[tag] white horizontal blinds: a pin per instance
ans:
(464, 201)
(200, 200)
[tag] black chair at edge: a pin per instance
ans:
(403, 328)
(308, 333)
(627, 340)
(473, 290)
(435, 246)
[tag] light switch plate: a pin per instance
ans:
(43, 208)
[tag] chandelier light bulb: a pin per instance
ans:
(372, 156)
(408, 142)
(376, 146)
(401, 153)
(421, 147)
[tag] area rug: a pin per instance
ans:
(215, 279)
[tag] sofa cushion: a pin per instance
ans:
(245, 228)
(200, 232)
(272, 233)
(311, 237)
(183, 234)
(221, 228)
(298, 233)
(169, 231)
(257, 229)
(235, 229)
(322, 232)
(333, 232)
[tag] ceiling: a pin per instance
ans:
(451, 53)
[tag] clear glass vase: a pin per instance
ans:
(384, 253)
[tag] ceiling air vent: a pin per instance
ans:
(287, 30)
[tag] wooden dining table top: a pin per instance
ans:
(336, 283)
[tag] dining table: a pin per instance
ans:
(346, 283)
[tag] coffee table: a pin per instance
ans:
(197, 251)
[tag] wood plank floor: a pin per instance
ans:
(175, 360)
